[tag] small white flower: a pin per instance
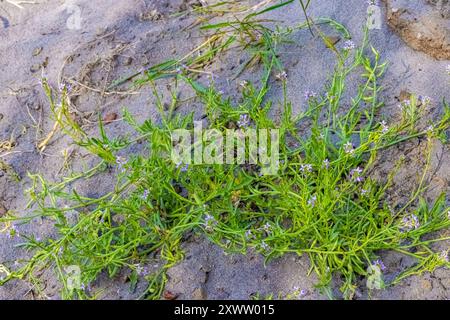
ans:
(121, 162)
(384, 127)
(306, 168)
(348, 148)
(282, 76)
(443, 256)
(355, 175)
(349, 45)
(410, 222)
(312, 201)
(249, 235)
(310, 95)
(243, 83)
(447, 69)
(424, 100)
(264, 246)
(210, 222)
(326, 164)
(244, 121)
(404, 104)
(267, 227)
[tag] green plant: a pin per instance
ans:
(322, 203)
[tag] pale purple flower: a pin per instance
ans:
(424, 100)
(410, 222)
(210, 222)
(380, 264)
(145, 194)
(364, 192)
(444, 256)
(312, 201)
(384, 127)
(64, 85)
(349, 45)
(142, 270)
(244, 121)
(184, 168)
(355, 175)
(264, 246)
(310, 95)
(306, 168)
(121, 162)
(404, 105)
(249, 235)
(267, 227)
(326, 164)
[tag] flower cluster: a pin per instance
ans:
(145, 194)
(244, 121)
(310, 95)
(384, 127)
(249, 235)
(282, 76)
(312, 201)
(326, 164)
(183, 168)
(121, 162)
(210, 222)
(355, 175)
(379, 263)
(404, 104)
(142, 270)
(443, 256)
(349, 45)
(348, 148)
(267, 228)
(306, 168)
(65, 86)
(264, 246)
(410, 222)
(424, 100)
(243, 83)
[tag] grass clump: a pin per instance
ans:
(323, 201)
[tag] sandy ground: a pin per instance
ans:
(116, 38)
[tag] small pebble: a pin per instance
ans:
(37, 51)
(35, 68)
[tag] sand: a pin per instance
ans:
(115, 38)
